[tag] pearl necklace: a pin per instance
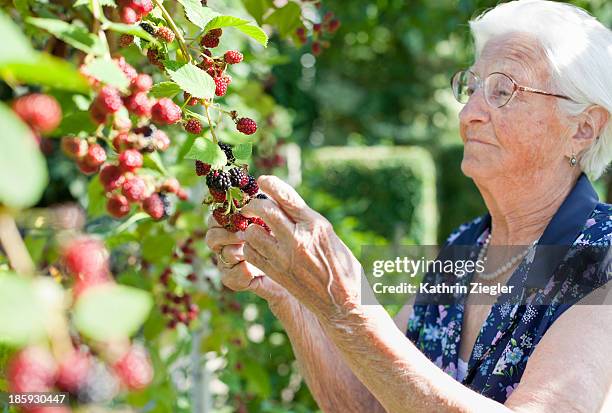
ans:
(504, 268)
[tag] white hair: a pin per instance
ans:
(579, 51)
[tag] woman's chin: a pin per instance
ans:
(476, 167)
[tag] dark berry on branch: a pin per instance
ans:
(218, 196)
(238, 177)
(261, 196)
(125, 40)
(209, 41)
(218, 180)
(202, 168)
(251, 187)
(220, 216)
(246, 126)
(228, 152)
(148, 28)
(193, 126)
(238, 222)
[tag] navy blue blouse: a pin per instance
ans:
(515, 326)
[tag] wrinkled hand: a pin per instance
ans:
(303, 254)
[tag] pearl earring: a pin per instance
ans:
(573, 161)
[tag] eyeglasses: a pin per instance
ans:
(499, 88)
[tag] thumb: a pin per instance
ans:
(286, 197)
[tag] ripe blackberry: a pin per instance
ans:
(202, 168)
(218, 180)
(238, 177)
(41, 112)
(209, 41)
(251, 187)
(193, 126)
(261, 196)
(228, 152)
(232, 57)
(246, 126)
(164, 33)
(148, 28)
(216, 32)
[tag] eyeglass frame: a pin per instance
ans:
(516, 87)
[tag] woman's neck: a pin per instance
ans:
(522, 206)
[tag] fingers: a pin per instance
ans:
(266, 245)
(247, 277)
(272, 214)
(232, 254)
(286, 197)
(217, 237)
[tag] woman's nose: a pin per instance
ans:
(475, 110)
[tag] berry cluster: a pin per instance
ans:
(328, 25)
(132, 11)
(123, 185)
(225, 202)
(179, 308)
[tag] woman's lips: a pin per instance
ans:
(478, 141)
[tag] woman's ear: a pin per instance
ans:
(592, 122)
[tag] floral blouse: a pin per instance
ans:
(513, 328)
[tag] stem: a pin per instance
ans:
(212, 129)
(96, 10)
(174, 28)
(14, 247)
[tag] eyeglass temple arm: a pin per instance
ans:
(541, 92)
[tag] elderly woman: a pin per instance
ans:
(535, 123)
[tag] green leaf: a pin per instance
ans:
(130, 29)
(96, 206)
(286, 19)
(75, 122)
(14, 47)
(46, 70)
(194, 81)
(165, 90)
(107, 71)
(257, 8)
(205, 150)
(255, 32)
(23, 171)
(21, 313)
(224, 21)
(111, 311)
(196, 13)
(157, 247)
(153, 160)
(242, 151)
(75, 36)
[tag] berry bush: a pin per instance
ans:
(125, 124)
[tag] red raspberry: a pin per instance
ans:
(220, 216)
(74, 147)
(118, 206)
(111, 177)
(161, 140)
(96, 155)
(233, 57)
(41, 112)
(209, 40)
(154, 206)
(221, 86)
(193, 126)
(85, 258)
(128, 15)
(165, 34)
(216, 32)
(139, 104)
(202, 168)
(127, 69)
(171, 185)
(218, 196)
(73, 371)
(134, 189)
(125, 40)
(130, 160)
(165, 111)
(238, 222)
(246, 126)
(108, 100)
(33, 369)
(142, 83)
(86, 168)
(134, 368)
(260, 222)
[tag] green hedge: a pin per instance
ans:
(376, 194)
(458, 198)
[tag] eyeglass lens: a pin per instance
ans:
(498, 88)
